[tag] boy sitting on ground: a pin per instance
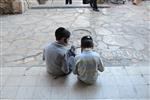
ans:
(88, 62)
(59, 59)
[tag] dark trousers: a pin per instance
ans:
(68, 1)
(93, 4)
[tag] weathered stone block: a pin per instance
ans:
(5, 6)
(13, 6)
(19, 6)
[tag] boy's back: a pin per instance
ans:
(87, 65)
(54, 54)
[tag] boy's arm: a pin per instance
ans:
(100, 66)
(65, 66)
(43, 54)
(75, 70)
(75, 67)
(69, 60)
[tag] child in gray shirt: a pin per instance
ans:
(88, 63)
(59, 60)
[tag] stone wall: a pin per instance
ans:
(13, 6)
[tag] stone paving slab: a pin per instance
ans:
(20, 83)
(120, 33)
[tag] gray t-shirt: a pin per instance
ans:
(55, 57)
(87, 65)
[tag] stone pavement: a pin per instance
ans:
(121, 36)
(115, 83)
(121, 33)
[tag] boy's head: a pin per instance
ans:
(62, 35)
(87, 42)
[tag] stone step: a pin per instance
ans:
(68, 6)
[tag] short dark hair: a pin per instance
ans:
(87, 42)
(61, 32)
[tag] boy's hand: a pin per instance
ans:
(71, 51)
